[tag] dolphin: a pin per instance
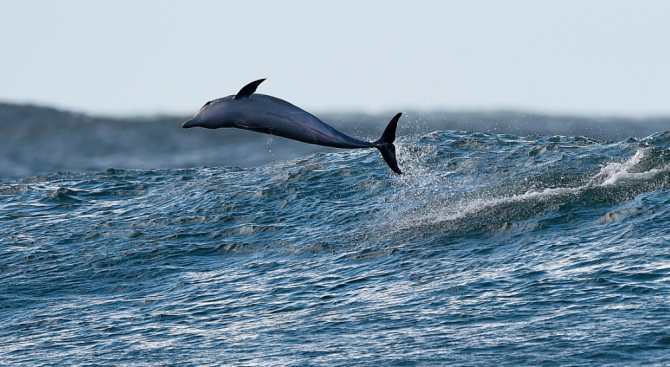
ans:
(269, 115)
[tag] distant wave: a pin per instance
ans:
(37, 140)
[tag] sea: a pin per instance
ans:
(492, 249)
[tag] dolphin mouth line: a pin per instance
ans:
(187, 124)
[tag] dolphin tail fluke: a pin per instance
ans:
(388, 152)
(388, 136)
(385, 144)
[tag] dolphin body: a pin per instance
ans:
(269, 115)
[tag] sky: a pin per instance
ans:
(139, 57)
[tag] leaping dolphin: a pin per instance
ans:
(269, 115)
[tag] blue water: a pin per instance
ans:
(490, 250)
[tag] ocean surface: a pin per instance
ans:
(492, 249)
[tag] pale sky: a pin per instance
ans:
(146, 57)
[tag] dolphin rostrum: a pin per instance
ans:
(266, 114)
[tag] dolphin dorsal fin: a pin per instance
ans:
(249, 89)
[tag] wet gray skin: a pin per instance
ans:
(266, 114)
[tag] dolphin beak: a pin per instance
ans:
(190, 123)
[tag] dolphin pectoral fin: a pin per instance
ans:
(385, 143)
(249, 89)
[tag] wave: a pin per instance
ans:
(512, 179)
(492, 249)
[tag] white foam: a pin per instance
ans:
(616, 172)
(460, 210)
